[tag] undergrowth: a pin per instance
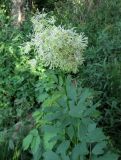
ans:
(47, 114)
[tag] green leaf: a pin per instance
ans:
(38, 154)
(53, 99)
(78, 110)
(63, 147)
(65, 157)
(99, 148)
(83, 148)
(50, 129)
(50, 155)
(11, 144)
(95, 136)
(91, 127)
(71, 89)
(75, 111)
(52, 116)
(42, 97)
(86, 94)
(82, 132)
(48, 144)
(49, 133)
(109, 156)
(35, 144)
(34, 132)
(60, 79)
(70, 132)
(79, 150)
(27, 141)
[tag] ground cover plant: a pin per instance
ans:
(60, 81)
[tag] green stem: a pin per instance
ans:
(64, 80)
(90, 149)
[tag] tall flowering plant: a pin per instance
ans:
(56, 46)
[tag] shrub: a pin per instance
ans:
(24, 84)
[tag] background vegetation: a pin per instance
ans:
(35, 99)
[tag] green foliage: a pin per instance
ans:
(101, 22)
(5, 5)
(33, 141)
(68, 127)
(20, 85)
(24, 84)
(66, 123)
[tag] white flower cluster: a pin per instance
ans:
(57, 47)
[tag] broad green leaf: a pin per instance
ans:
(65, 157)
(65, 120)
(38, 154)
(95, 136)
(79, 150)
(109, 156)
(50, 129)
(48, 144)
(63, 102)
(83, 148)
(63, 147)
(86, 94)
(27, 141)
(49, 133)
(76, 153)
(52, 116)
(34, 132)
(75, 112)
(37, 115)
(53, 99)
(11, 49)
(35, 144)
(50, 155)
(82, 132)
(99, 148)
(91, 127)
